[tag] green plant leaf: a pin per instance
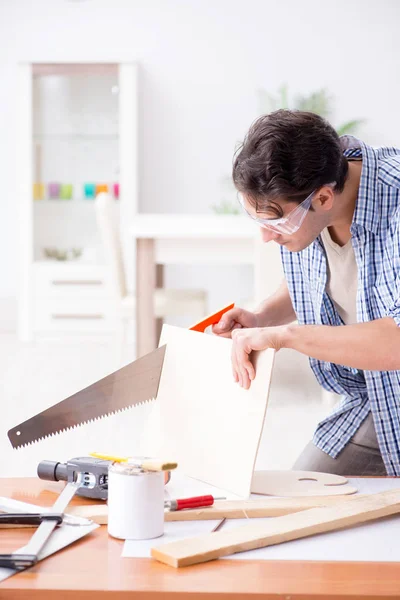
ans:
(318, 102)
(349, 126)
(225, 208)
(283, 96)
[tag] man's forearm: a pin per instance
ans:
(373, 346)
(277, 309)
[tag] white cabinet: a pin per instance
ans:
(77, 132)
(70, 298)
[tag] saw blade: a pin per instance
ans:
(134, 384)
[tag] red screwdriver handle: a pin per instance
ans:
(194, 502)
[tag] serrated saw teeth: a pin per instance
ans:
(134, 385)
(78, 425)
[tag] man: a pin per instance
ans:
(332, 204)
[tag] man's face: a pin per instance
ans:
(314, 222)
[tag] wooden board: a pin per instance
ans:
(208, 423)
(252, 509)
(230, 509)
(299, 483)
(281, 529)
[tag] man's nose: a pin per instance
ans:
(268, 235)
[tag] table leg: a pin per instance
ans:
(159, 285)
(145, 289)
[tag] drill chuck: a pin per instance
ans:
(52, 471)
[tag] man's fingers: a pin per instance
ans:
(239, 359)
(235, 371)
(243, 366)
(235, 365)
(222, 334)
(246, 381)
(228, 321)
(250, 368)
(241, 362)
(223, 328)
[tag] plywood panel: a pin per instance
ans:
(210, 425)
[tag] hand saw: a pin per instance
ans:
(132, 385)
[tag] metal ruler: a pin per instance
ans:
(43, 543)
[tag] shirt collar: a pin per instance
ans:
(366, 214)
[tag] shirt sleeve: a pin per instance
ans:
(394, 309)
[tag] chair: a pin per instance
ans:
(167, 303)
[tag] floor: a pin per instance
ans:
(37, 375)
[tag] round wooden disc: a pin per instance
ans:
(299, 483)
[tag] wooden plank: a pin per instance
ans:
(253, 509)
(208, 423)
(230, 509)
(282, 529)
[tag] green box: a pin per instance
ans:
(66, 190)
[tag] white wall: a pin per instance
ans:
(201, 64)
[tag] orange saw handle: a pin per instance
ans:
(211, 320)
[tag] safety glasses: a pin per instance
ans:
(288, 224)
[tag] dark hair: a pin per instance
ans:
(287, 155)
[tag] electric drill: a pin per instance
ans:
(94, 471)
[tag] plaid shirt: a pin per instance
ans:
(375, 232)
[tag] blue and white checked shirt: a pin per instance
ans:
(375, 234)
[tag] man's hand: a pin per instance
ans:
(247, 340)
(233, 319)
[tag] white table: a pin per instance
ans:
(185, 240)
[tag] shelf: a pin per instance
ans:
(55, 201)
(75, 136)
(74, 201)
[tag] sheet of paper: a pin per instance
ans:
(209, 424)
(61, 537)
(172, 533)
(376, 541)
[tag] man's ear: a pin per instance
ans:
(324, 198)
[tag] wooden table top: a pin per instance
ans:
(92, 569)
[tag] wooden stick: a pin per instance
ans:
(221, 509)
(241, 509)
(230, 509)
(282, 529)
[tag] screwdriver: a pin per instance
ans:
(195, 502)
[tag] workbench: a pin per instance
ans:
(92, 569)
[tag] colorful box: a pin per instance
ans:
(53, 190)
(66, 190)
(89, 191)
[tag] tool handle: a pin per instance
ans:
(148, 464)
(29, 518)
(18, 561)
(153, 464)
(194, 502)
(110, 457)
(211, 319)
